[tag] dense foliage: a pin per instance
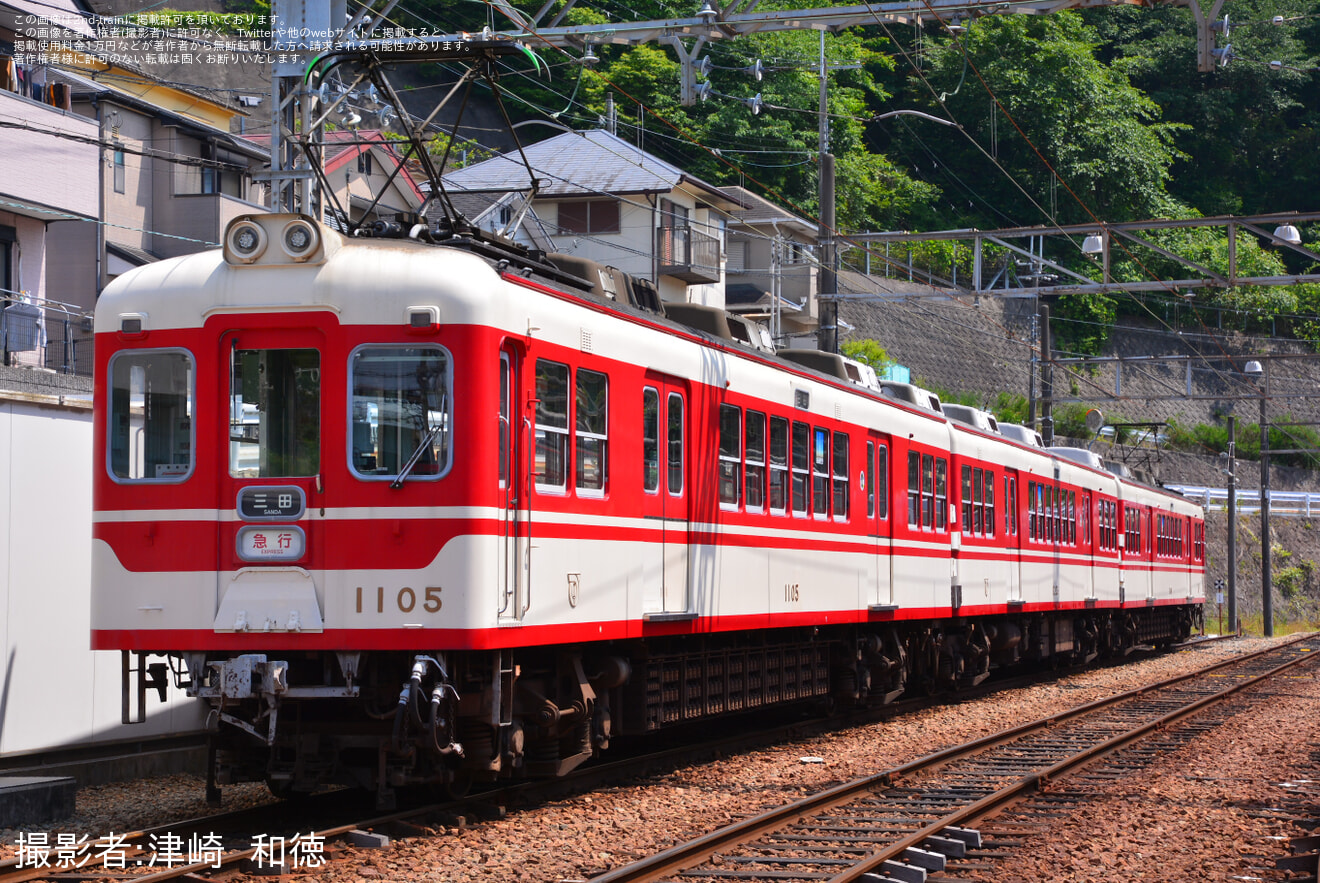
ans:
(1063, 118)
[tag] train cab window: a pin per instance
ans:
(650, 440)
(820, 471)
(801, 467)
(779, 464)
(400, 412)
(592, 421)
(730, 456)
(839, 465)
(754, 475)
(675, 444)
(275, 413)
(151, 422)
(551, 426)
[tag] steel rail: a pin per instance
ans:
(684, 856)
(136, 844)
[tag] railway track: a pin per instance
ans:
(225, 840)
(907, 821)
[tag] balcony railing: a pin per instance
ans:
(688, 254)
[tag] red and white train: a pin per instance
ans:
(430, 509)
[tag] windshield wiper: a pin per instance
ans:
(422, 448)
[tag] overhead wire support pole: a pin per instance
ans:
(828, 286)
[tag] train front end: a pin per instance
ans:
(283, 526)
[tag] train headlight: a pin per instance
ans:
(300, 240)
(246, 241)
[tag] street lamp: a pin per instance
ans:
(1256, 371)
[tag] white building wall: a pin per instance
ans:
(54, 691)
(52, 171)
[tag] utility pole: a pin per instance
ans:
(827, 303)
(1046, 378)
(1266, 577)
(1232, 523)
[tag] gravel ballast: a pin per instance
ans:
(1200, 812)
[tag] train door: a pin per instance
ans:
(1012, 538)
(515, 492)
(665, 433)
(272, 476)
(879, 520)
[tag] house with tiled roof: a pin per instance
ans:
(600, 197)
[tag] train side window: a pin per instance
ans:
(506, 416)
(840, 471)
(801, 467)
(967, 499)
(882, 482)
(755, 461)
(730, 456)
(978, 501)
(1010, 506)
(400, 412)
(674, 448)
(914, 489)
(151, 406)
(989, 503)
(927, 491)
(820, 471)
(941, 494)
(650, 439)
(870, 479)
(592, 421)
(275, 413)
(779, 464)
(551, 426)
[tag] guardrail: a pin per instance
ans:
(1297, 504)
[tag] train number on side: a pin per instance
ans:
(406, 599)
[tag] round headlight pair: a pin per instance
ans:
(247, 240)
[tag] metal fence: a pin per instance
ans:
(1297, 504)
(46, 335)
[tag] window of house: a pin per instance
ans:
(551, 425)
(364, 162)
(592, 216)
(754, 459)
(151, 412)
(730, 456)
(119, 171)
(778, 464)
(592, 430)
